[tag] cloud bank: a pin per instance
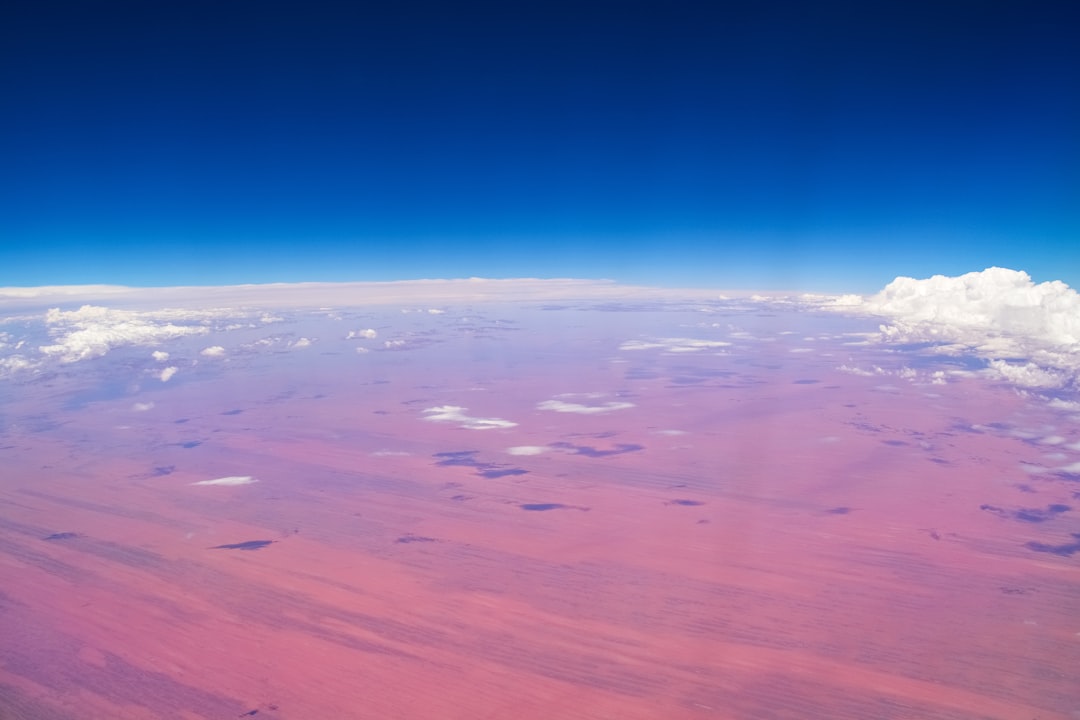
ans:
(92, 331)
(1028, 333)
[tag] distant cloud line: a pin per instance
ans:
(1027, 334)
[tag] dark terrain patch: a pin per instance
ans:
(232, 412)
(410, 538)
(190, 444)
(838, 510)
(246, 545)
(496, 473)
(467, 458)
(806, 382)
(1064, 550)
(163, 470)
(61, 536)
(1031, 515)
(541, 507)
(687, 503)
(592, 452)
(895, 443)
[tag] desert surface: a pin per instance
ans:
(590, 510)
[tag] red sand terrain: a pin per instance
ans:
(834, 549)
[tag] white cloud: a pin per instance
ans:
(1029, 333)
(160, 355)
(15, 363)
(1027, 374)
(168, 372)
(455, 414)
(392, 344)
(301, 343)
(142, 407)
(234, 480)
(368, 334)
(92, 331)
(213, 351)
(527, 450)
(565, 407)
(673, 344)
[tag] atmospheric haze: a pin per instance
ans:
(545, 498)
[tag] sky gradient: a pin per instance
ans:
(821, 146)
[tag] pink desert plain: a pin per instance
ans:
(572, 502)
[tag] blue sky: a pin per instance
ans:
(825, 146)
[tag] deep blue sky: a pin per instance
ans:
(806, 145)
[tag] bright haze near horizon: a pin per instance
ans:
(780, 145)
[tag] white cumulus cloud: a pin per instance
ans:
(233, 480)
(566, 407)
(526, 450)
(160, 355)
(368, 334)
(91, 331)
(675, 345)
(168, 372)
(455, 414)
(213, 351)
(1029, 333)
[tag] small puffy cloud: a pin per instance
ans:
(362, 350)
(234, 480)
(160, 355)
(142, 407)
(393, 344)
(675, 345)
(301, 343)
(168, 372)
(1027, 374)
(566, 407)
(212, 351)
(455, 414)
(368, 334)
(526, 450)
(435, 311)
(15, 363)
